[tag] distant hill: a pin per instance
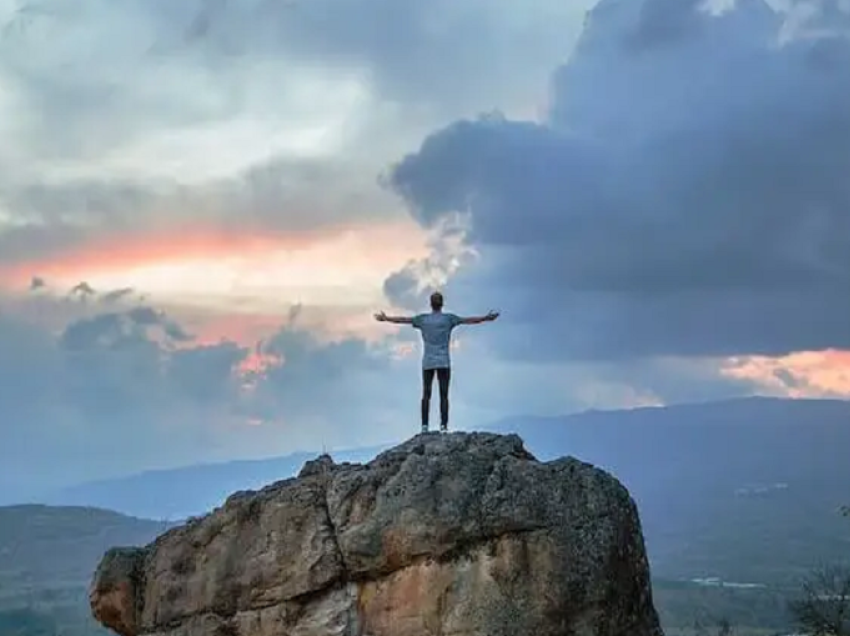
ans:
(745, 490)
(178, 493)
(47, 557)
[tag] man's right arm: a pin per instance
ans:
(399, 320)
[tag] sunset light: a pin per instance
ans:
(244, 273)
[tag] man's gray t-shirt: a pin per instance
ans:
(436, 328)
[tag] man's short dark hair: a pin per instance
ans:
(436, 301)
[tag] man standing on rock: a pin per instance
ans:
(436, 329)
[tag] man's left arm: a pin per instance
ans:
(477, 320)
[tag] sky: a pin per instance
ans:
(203, 203)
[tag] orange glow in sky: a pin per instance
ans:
(242, 287)
(243, 273)
(806, 374)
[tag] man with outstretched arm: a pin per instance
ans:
(436, 329)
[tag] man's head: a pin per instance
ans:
(436, 301)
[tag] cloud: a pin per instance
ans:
(115, 295)
(205, 373)
(116, 392)
(116, 330)
(410, 286)
(278, 201)
(677, 201)
(489, 48)
(88, 393)
(339, 388)
(82, 291)
(686, 196)
(821, 374)
(137, 118)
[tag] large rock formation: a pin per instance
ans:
(451, 535)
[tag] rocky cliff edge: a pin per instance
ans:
(451, 535)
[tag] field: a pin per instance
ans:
(47, 557)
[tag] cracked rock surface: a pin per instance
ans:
(463, 534)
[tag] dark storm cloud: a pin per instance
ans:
(666, 22)
(688, 195)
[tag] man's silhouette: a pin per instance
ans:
(436, 329)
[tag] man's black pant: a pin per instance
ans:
(443, 377)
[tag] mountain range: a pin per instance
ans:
(758, 475)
